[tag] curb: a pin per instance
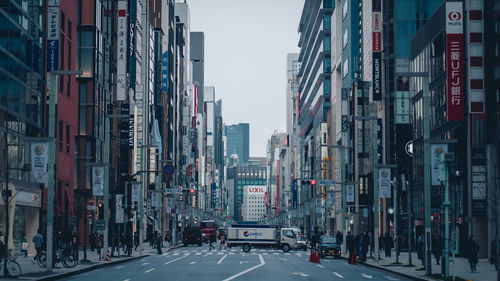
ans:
(96, 266)
(416, 278)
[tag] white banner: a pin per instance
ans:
(436, 151)
(98, 181)
(349, 193)
(121, 52)
(331, 199)
(39, 161)
(119, 214)
(384, 183)
(136, 188)
(155, 199)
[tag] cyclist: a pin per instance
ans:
(38, 240)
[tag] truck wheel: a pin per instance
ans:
(246, 248)
(286, 248)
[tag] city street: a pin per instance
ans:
(197, 263)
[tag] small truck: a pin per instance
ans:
(259, 236)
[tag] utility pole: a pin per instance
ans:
(445, 157)
(427, 176)
(107, 161)
(396, 212)
(376, 207)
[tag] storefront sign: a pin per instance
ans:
(436, 151)
(136, 188)
(29, 198)
(39, 161)
(377, 76)
(119, 214)
(454, 61)
(121, 52)
(349, 193)
(164, 72)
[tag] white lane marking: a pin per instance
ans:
(253, 253)
(338, 275)
(193, 262)
(262, 262)
(287, 254)
(222, 259)
(198, 254)
(175, 254)
(319, 265)
(366, 276)
(390, 278)
(231, 253)
(265, 253)
(242, 262)
(168, 262)
(276, 253)
(149, 270)
(220, 253)
(283, 259)
(126, 280)
(119, 266)
(301, 274)
(166, 254)
(146, 263)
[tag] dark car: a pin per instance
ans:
(328, 246)
(191, 235)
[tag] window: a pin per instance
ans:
(67, 138)
(60, 135)
(86, 43)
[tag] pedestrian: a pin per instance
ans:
(339, 237)
(136, 239)
(222, 240)
(98, 245)
(388, 244)
(420, 248)
(158, 244)
(437, 246)
(211, 239)
(92, 241)
(24, 244)
(365, 243)
(38, 241)
(351, 247)
(473, 250)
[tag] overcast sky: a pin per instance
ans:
(246, 42)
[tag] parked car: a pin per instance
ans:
(328, 246)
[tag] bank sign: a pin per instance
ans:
(53, 36)
(454, 61)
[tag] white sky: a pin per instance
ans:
(246, 42)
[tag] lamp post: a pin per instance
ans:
(52, 83)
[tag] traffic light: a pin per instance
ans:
(191, 191)
(313, 182)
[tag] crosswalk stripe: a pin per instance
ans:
(390, 278)
(287, 254)
(338, 275)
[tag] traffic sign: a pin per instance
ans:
(168, 169)
(99, 225)
(327, 182)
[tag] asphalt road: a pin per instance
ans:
(197, 263)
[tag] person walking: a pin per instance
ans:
(339, 237)
(38, 241)
(158, 244)
(24, 245)
(388, 245)
(98, 245)
(420, 248)
(473, 250)
(351, 247)
(211, 239)
(92, 241)
(437, 246)
(222, 240)
(136, 240)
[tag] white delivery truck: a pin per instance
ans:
(249, 236)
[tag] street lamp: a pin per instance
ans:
(52, 83)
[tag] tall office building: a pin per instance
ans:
(238, 141)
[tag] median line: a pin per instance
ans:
(222, 259)
(168, 262)
(149, 270)
(262, 262)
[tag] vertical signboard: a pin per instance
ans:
(377, 49)
(380, 146)
(119, 213)
(53, 35)
(39, 161)
(384, 182)
(121, 52)
(402, 100)
(98, 181)
(136, 188)
(436, 151)
(164, 74)
(454, 61)
(349, 193)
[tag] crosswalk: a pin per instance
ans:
(233, 251)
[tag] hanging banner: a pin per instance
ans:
(301, 211)
(349, 193)
(454, 61)
(119, 213)
(436, 151)
(136, 189)
(53, 36)
(318, 208)
(384, 183)
(331, 199)
(39, 161)
(97, 180)
(121, 52)
(169, 205)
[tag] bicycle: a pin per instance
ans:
(67, 258)
(13, 268)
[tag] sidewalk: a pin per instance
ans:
(32, 271)
(459, 267)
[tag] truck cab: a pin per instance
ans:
(288, 239)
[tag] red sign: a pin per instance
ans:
(377, 41)
(256, 189)
(454, 62)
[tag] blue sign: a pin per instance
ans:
(169, 169)
(164, 72)
(379, 140)
(52, 55)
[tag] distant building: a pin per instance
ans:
(254, 204)
(238, 141)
